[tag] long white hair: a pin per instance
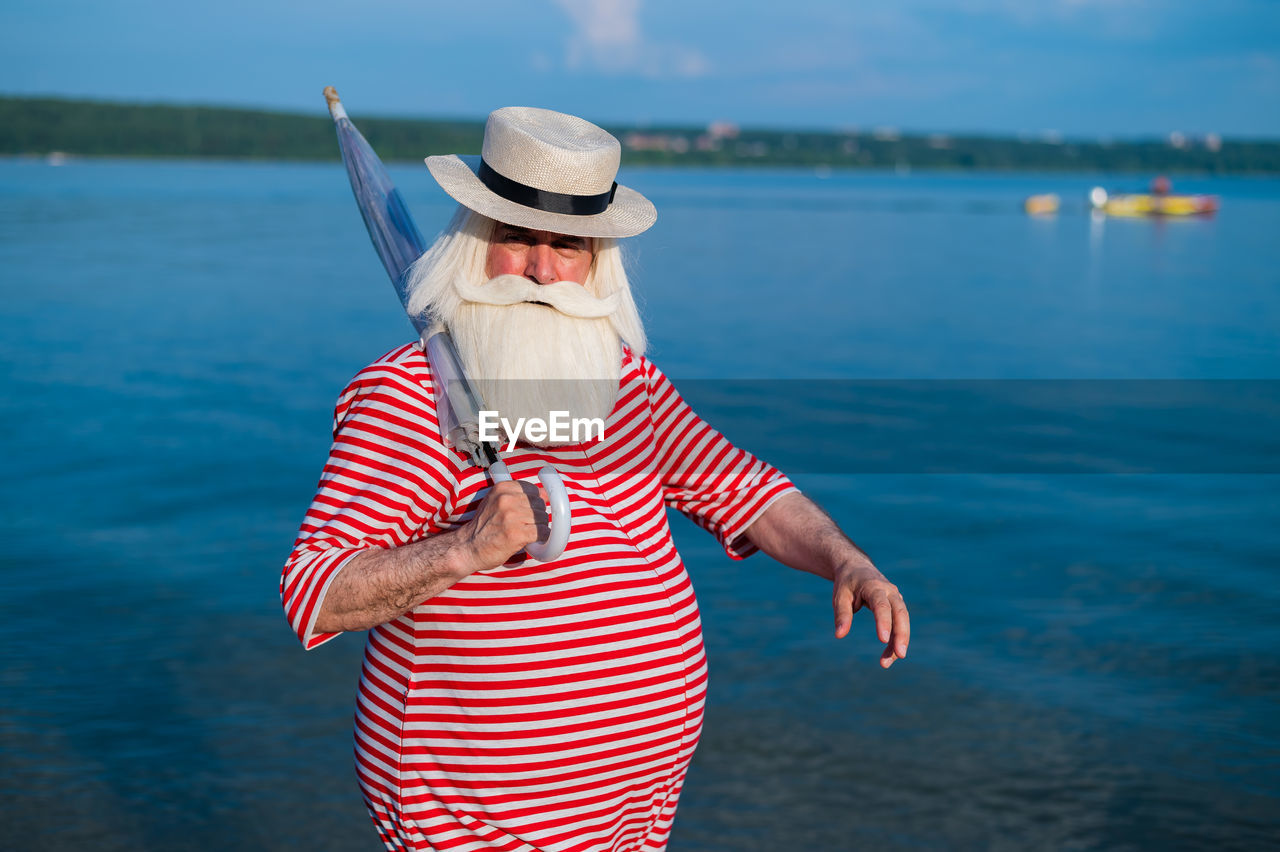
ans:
(460, 252)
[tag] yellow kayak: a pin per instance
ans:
(1150, 204)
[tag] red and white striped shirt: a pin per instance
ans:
(532, 706)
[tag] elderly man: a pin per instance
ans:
(507, 703)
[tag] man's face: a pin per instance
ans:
(541, 256)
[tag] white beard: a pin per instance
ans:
(532, 349)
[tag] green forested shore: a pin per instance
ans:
(42, 126)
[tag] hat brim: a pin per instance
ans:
(629, 214)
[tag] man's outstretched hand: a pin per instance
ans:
(794, 531)
(856, 587)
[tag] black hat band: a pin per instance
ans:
(540, 199)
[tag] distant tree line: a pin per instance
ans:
(40, 126)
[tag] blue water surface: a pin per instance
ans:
(1095, 661)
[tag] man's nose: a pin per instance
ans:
(540, 265)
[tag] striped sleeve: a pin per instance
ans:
(386, 479)
(721, 488)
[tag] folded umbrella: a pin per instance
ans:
(399, 243)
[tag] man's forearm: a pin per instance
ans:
(797, 533)
(384, 583)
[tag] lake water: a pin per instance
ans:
(1057, 435)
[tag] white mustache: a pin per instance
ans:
(568, 297)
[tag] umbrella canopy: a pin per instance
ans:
(395, 237)
(399, 243)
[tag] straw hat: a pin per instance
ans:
(547, 171)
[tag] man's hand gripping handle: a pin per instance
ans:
(558, 498)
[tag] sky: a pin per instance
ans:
(1080, 68)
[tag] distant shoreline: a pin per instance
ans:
(65, 159)
(40, 127)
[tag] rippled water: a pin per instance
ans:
(1096, 660)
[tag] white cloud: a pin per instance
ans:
(607, 37)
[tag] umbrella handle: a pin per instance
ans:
(560, 517)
